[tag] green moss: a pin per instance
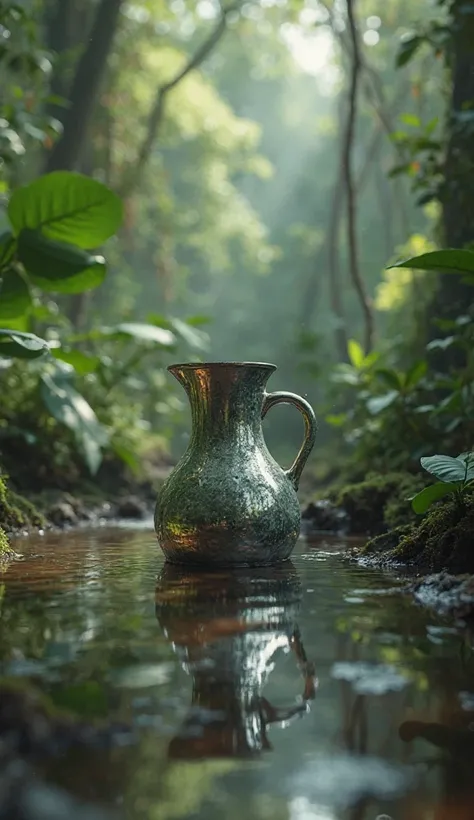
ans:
(4, 545)
(379, 503)
(386, 541)
(16, 512)
(444, 539)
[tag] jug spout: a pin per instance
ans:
(224, 395)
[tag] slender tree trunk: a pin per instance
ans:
(335, 286)
(348, 143)
(66, 26)
(82, 97)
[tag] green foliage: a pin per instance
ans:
(68, 407)
(16, 512)
(16, 344)
(408, 48)
(456, 478)
(57, 266)
(15, 298)
(25, 71)
(38, 254)
(47, 217)
(4, 545)
(68, 208)
(449, 261)
(225, 222)
(56, 207)
(435, 492)
(395, 416)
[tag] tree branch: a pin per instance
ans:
(155, 117)
(335, 290)
(348, 141)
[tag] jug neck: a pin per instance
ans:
(225, 398)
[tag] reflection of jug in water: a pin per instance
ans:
(226, 628)
(228, 502)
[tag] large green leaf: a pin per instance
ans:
(377, 404)
(468, 460)
(58, 266)
(425, 498)
(416, 372)
(442, 344)
(68, 407)
(81, 362)
(356, 353)
(450, 260)
(390, 377)
(68, 207)
(15, 344)
(7, 248)
(192, 336)
(15, 297)
(408, 49)
(446, 468)
(125, 454)
(345, 374)
(142, 332)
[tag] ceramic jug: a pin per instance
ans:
(228, 503)
(228, 629)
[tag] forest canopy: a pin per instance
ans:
(269, 161)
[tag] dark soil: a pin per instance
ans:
(53, 509)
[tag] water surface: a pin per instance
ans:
(315, 691)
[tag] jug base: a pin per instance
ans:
(226, 553)
(212, 564)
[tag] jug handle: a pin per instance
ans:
(310, 428)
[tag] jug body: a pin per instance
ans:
(228, 502)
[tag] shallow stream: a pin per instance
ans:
(315, 691)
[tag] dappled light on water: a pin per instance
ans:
(310, 691)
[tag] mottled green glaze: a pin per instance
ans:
(228, 502)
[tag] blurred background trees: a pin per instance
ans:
(272, 156)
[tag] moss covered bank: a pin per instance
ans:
(379, 503)
(16, 513)
(443, 540)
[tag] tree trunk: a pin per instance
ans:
(66, 154)
(457, 195)
(66, 27)
(351, 202)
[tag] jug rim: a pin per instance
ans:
(196, 365)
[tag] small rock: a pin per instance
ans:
(322, 516)
(62, 514)
(77, 505)
(447, 594)
(131, 507)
